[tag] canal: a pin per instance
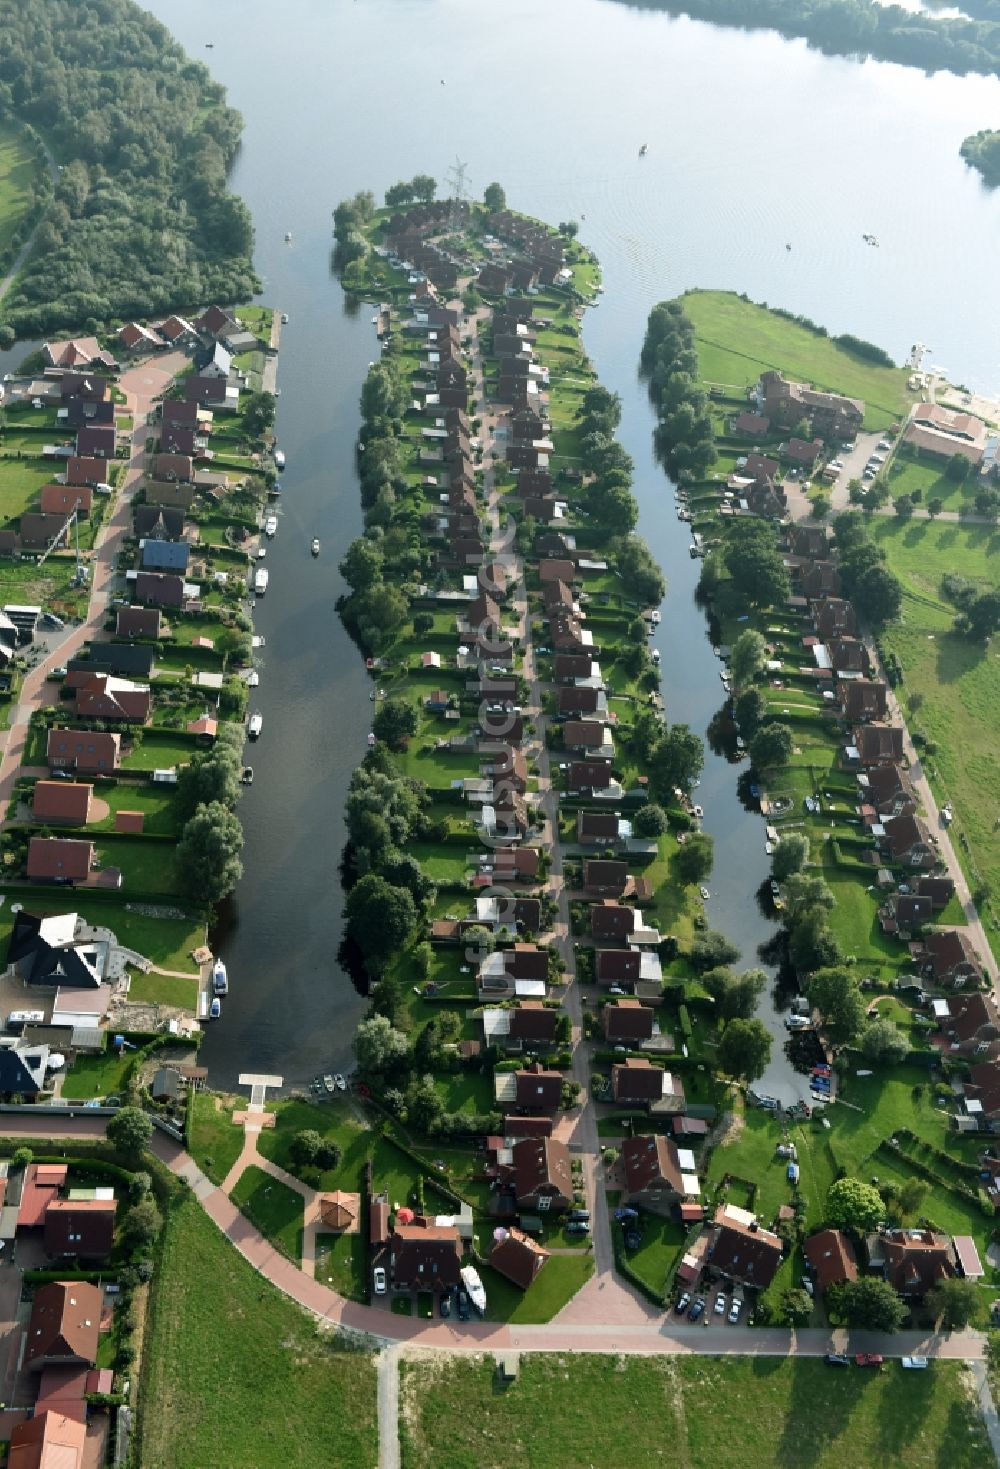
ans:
(753, 142)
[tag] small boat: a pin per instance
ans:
(371, 740)
(655, 655)
(697, 812)
(255, 725)
(209, 45)
(329, 1083)
(788, 247)
(247, 776)
(274, 491)
(642, 151)
(253, 679)
(220, 979)
(339, 1082)
(768, 848)
(288, 237)
(655, 615)
(314, 546)
(704, 894)
(284, 318)
(692, 549)
(215, 1009)
(260, 580)
(261, 552)
(271, 526)
(279, 458)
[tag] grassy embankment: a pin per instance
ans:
(769, 1413)
(18, 172)
(235, 1373)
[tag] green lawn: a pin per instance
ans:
(273, 1207)
(236, 1374)
(155, 802)
(700, 1412)
(342, 1263)
(164, 989)
(658, 1254)
(215, 1141)
(958, 680)
(18, 170)
(95, 1076)
(158, 750)
(557, 1283)
(737, 340)
(147, 867)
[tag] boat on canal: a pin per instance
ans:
(220, 979)
(314, 547)
(255, 725)
(247, 776)
(279, 458)
(271, 526)
(260, 579)
(215, 1009)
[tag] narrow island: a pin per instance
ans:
(981, 151)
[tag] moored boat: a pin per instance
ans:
(271, 526)
(220, 979)
(215, 1009)
(314, 547)
(255, 725)
(247, 776)
(260, 580)
(279, 458)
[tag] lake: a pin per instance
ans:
(753, 141)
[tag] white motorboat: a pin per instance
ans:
(314, 546)
(215, 1009)
(220, 979)
(655, 655)
(474, 1285)
(260, 579)
(261, 552)
(247, 776)
(253, 679)
(271, 526)
(255, 725)
(705, 895)
(654, 616)
(284, 318)
(279, 458)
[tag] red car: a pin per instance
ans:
(869, 1359)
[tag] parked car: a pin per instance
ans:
(837, 1359)
(445, 1306)
(463, 1306)
(734, 1311)
(578, 1226)
(682, 1303)
(378, 1280)
(697, 1309)
(916, 1364)
(720, 1304)
(869, 1359)
(579, 1214)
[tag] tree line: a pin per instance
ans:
(141, 220)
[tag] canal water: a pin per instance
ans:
(753, 142)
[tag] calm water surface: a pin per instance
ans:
(752, 141)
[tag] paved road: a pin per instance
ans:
(388, 1408)
(141, 385)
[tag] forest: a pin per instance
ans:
(141, 220)
(863, 28)
(982, 151)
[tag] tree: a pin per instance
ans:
(424, 1105)
(771, 747)
(710, 950)
(693, 861)
(141, 1225)
(395, 722)
(638, 570)
(811, 944)
(869, 1303)
(790, 855)
(745, 1049)
(139, 1185)
(362, 564)
(494, 198)
(854, 1205)
(379, 1047)
(398, 194)
(210, 775)
(130, 1131)
(403, 870)
(650, 821)
(877, 595)
(903, 506)
(379, 917)
(988, 503)
(884, 1044)
(957, 468)
(748, 658)
(424, 187)
(258, 413)
(569, 228)
(735, 995)
(952, 1303)
(934, 506)
(309, 1149)
(749, 709)
(208, 853)
(614, 508)
(983, 615)
(836, 996)
(675, 761)
(755, 563)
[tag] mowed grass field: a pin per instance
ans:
(236, 1374)
(17, 171)
(700, 1412)
(959, 680)
(738, 340)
